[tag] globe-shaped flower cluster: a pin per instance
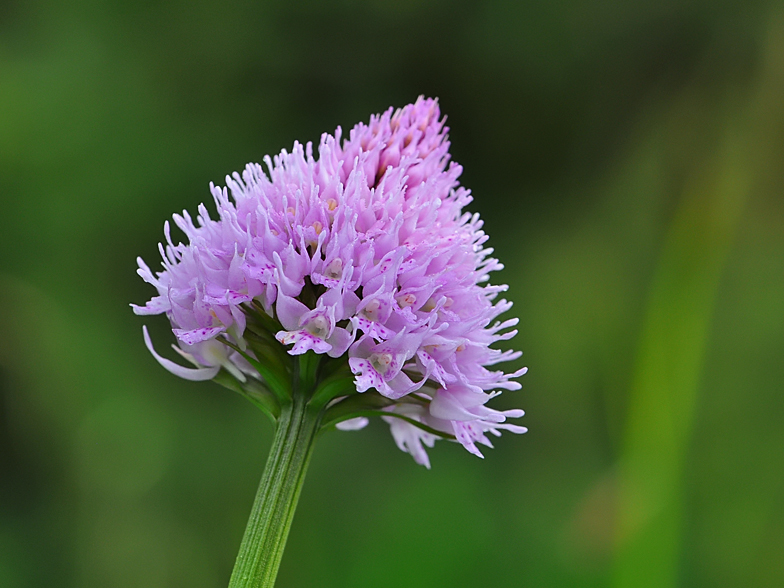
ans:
(363, 260)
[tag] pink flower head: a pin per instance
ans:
(363, 254)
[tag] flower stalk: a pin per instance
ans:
(276, 499)
(317, 396)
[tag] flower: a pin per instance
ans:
(364, 255)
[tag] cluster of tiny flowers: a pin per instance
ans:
(376, 226)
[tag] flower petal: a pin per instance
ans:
(196, 375)
(366, 375)
(303, 342)
(290, 311)
(193, 336)
(156, 305)
(340, 340)
(353, 424)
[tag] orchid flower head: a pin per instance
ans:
(360, 252)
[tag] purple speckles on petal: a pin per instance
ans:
(197, 335)
(372, 329)
(237, 298)
(366, 376)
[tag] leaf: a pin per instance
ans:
(254, 392)
(275, 380)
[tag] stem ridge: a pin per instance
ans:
(276, 498)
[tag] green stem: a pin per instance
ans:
(276, 499)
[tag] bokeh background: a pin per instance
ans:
(627, 158)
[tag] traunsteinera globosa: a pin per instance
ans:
(335, 289)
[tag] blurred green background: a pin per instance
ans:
(627, 159)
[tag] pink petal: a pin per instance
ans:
(191, 337)
(353, 424)
(340, 340)
(290, 311)
(156, 305)
(196, 375)
(366, 376)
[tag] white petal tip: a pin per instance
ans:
(353, 424)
